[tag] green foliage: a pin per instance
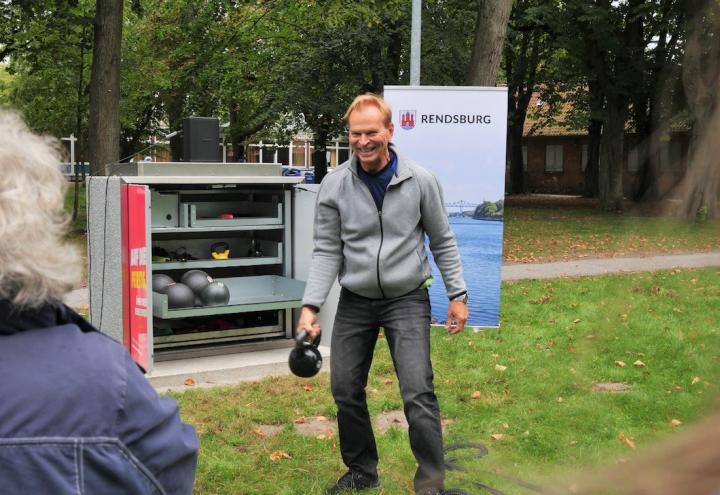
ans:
(534, 380)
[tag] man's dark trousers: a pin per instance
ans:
(406, 323)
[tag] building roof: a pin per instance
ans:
(539, 122)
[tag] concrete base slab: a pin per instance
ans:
(227, 369)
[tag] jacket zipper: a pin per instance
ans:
(378, 255)
(377, 258)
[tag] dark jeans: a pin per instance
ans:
(406, 322)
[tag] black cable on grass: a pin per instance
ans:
(478, 451)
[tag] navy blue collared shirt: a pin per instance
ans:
(377, 183)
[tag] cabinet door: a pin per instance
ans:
(136, 276)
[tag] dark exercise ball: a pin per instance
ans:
(180, 296)
(160, 282)
(215, 294)
(196, 280)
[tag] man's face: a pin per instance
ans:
(369, 137)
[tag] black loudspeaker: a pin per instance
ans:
(201, 139)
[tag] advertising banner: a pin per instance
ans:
(135, 273)
(459, 134)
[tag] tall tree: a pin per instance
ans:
(527, 53)
(104, 120)
(701, 78)
(487, 48)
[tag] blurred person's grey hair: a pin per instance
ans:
(38, 265)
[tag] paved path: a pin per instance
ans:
(577, 268)
(602, 266)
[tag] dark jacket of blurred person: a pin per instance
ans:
(77, 415)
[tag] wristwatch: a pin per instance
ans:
(463, 298)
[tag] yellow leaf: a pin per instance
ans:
(505, 425)
(320, 418)
(560, 399)
(500, 367)
(300, 420)
(387, 381)
(696, 380)
(629, 441)
(307, 387)
(189, 382)
(497, 436)
(639, 364)
(476, 394)
(620, 363)
(279, 454)
(572, 442)
(577, 320)
(675, 422)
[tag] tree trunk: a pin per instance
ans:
(104, 120)
(492, 19)
(611, 154)
(518, 181)
(592, 167)
(701, 77)
(320, 153)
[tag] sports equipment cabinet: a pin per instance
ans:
(245, 225)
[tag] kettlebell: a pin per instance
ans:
(305, 359)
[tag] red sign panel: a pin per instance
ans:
(135, 272)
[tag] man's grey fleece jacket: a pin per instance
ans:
(381, 254)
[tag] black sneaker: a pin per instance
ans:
(352, 481)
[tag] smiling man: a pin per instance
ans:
(372, 215)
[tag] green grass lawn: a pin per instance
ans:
(556, 233)
(526, 391)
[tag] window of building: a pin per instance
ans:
(524, 155)
(553, 158)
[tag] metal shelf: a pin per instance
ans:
(181, 230)
(233, 334)
(200, 264)
(260, 293)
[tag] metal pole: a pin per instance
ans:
(415, 43)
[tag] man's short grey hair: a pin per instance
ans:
(37, 263)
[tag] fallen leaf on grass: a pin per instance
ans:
(696, 380)
(572, 442)
(500, 367)
(300, 420)
(505, 425)
(629, 441)
(324, 436)
(307, 387)
(189, 382)
(639, 364)
(620, 363)
(497, 436)
(320, 418)
(476, 394)
(675, 422)
(279, 454)
(388, 381)
(577, 320)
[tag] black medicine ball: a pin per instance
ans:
(215, 294)
(160, 282)
(197, 280)
(180, 296)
